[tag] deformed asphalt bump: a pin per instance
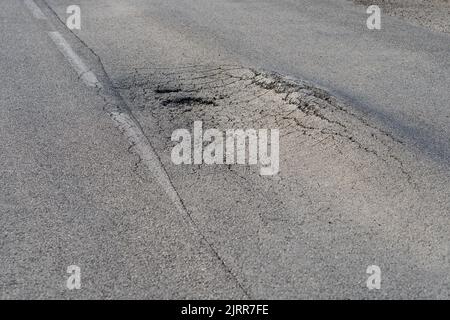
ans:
(235, 96)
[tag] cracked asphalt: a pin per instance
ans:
(364, 153)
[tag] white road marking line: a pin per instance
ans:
(131, 129)
(140, 144)
(125, 123)
(83, 71)
(35, 10)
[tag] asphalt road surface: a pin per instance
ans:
(87, 178)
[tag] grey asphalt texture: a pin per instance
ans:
(365, 149)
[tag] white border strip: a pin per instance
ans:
(83, 71)
(142, 147)
(35, 10)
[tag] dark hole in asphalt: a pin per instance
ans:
(188, 101)
(167, 90)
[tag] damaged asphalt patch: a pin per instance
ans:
(236, 97)
(343, 190)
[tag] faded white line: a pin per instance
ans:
(141, 146)
(126, 124)
(35, 10)
(88, 77)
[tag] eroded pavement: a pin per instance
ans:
(347, 192)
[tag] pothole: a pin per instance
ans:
(189, 101)
(167, 90)
(245, 98)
